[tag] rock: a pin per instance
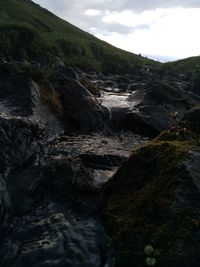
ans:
(102, 162)
(61, 102)
(51, 204)
(20, 96)
(195, 85)
(93, 88)
(136, 86)
(51, 235)
(68, 72)
(82, 112)
(129, 120)
(154, 199)
(54, 219)
(159, 100)
(192, 119)
(4, 204)
(20, 142)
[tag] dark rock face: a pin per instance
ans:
(156, 195)
(48, 210)
(155, 102)
(192, 119)
(51, 235)
(82, 112)
(4, 203)
(162, 105)
(123, 118)
(48, 202)
(62, 103)
(20, 142)
(20, 97)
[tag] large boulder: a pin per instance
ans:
(162, 104)
(81, 110)
(153, 201)
(20, 96)
(51, 96)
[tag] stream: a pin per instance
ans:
(65, 228)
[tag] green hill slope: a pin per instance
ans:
(28, 30)
(189, 65)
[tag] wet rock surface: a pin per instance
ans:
(49, 182)
(63, 135)
(52, 235)
(145, 104)
(81, 110)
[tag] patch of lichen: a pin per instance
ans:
(138, 201)
(51, 98)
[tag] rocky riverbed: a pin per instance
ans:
(64, 143)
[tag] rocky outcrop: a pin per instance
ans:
(51, 235)
(52, 215)
(154, 102)
(81, 110)
(52, 96)
(154, 199)
(162, 104)
(21, 97)
(48, 200)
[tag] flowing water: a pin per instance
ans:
(115, 100)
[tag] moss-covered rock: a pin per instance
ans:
(154, 199)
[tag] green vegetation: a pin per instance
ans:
(188, 66)
(29, 31)
(139, 201)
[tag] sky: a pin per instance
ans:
(160, 29)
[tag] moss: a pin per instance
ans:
(186, 133)
(138, 203)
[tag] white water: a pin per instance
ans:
(115, 100)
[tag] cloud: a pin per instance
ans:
(77, 7)
(174, 33)
(92, 12)
(152, 27)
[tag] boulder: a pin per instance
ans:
(81, 110)
(20, 96)
(162, 104)
(154, 200)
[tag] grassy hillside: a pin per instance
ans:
(189, 65)
(27, 30)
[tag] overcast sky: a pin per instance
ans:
(161, 29)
